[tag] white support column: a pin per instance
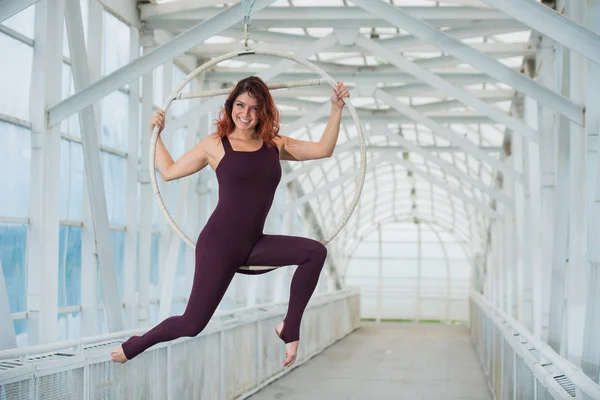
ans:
(93, 169)
(560, 245)
(43, 229)
(547, 121)
(89, 265)
(131, 222)
(146, 195)
(418, 304)
(523, 297)
(95, 51)
(167, 189)
(500, 263)
(8, 339)
(591, 349)
(509, 266)
(526, 272)
(534, 218)
(576, 273)
(379, 274)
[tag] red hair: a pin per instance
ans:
(267, 114)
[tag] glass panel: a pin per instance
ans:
(15, 76)
(69, 266)
(13, 248)
(116, 43)
(71, 124)
(114, 170)
(115, 120)
(15, 176)
(71, 181)
(118, 242)
(22, 22)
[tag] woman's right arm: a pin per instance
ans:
(188, 164)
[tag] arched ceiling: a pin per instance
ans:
(434, 124)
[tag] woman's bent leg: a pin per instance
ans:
(309, 255)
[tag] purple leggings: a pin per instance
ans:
(214, 272)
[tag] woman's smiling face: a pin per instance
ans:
(245, 112)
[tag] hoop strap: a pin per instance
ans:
(247, 20)
(247, 10)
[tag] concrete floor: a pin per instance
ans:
(389, 361)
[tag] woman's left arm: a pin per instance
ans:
(302, 150)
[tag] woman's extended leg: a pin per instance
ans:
(211, 279)
(309, 255)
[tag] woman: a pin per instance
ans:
(245, 153)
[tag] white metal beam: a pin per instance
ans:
(440, 64)
(8, 8)
(90, 318)
(547, 76)
(352, 145)
(416, 46)
(439, 82)
(228, 75)
(145, 198)
(404, 42)
(323, 189)
(456, 172)
(547, 21)
(93, 170)
(465, 52)
(278, 15)
(392, 117)
(43, 228)
(578, 204)
(125, 10)
(472, 3)
(131, 219)
(148, 62)
(173, 7)
(474, 30)
(591, 350)
(409, 166)
(399, 91)
(168, 193)
(450, 135)
(437, 181)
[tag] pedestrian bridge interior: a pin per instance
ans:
(461, 206)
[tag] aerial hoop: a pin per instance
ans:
(325, 78)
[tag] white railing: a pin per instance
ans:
(237, 354)
(519, 366)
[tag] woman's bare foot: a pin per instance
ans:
(117, 355)
(291, 349)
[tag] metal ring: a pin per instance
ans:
(363, 152)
